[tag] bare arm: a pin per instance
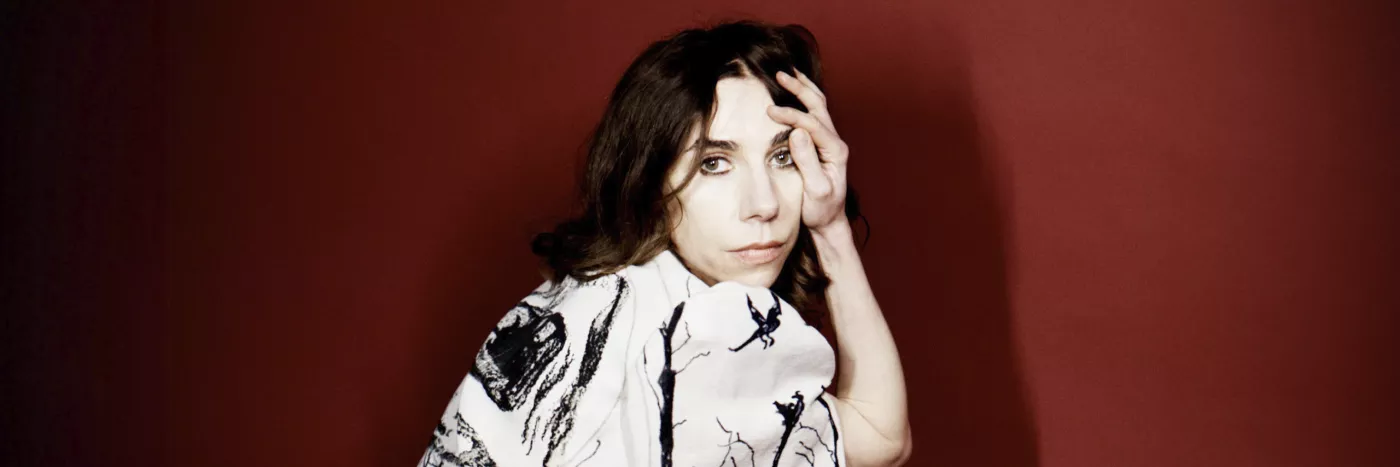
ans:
(870, 391)
(870, 397)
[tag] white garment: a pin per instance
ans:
(578, 376)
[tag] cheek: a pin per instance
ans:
(712, 203)
(693, 220)
(790, 189)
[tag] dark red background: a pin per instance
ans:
(1107, 234)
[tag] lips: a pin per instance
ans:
(759, 253)
(760, 245)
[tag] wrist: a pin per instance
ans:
(837, 231)
(835, 244)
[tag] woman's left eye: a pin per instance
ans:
(782, 159)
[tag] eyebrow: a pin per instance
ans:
(726, 145)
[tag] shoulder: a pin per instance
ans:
(540, 382)
(570, 293)
(540, 329)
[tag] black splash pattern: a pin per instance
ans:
(554, 293)
(766, 324)
(516, 352)
(532, 422)
(830, 451)
(562, 421)
(829, 448)
(809, 456)
(598, 443)
(732, 440)
(835, 433)
(790, 411)
(667, 380)
(439, 456)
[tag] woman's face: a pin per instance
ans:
(748, 191)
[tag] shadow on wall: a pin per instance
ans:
(937, 256)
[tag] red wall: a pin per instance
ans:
(1158, 234)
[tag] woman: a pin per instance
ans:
(666, 332)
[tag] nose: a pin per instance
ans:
(759, 199)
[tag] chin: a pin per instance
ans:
(761, 277)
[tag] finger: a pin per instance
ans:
(826, 140)
(807, 86)
(804, 154)
(809, 95)
(808, 81)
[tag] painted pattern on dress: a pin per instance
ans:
(536, 377)
(517, 352)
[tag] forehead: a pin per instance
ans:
(741, 112)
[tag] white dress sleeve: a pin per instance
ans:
(742, 381)
(543, 381)
(646, 367)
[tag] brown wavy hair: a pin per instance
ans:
(666, 92)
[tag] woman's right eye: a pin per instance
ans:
(714, 165)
